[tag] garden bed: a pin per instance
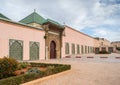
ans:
(24, 70)
(33, 71)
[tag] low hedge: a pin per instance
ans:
(45, 64)
(103, 52)
(16, 80)
(22, 65)
(118, 48)
(57, 67)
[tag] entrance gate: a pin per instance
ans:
(52, 50)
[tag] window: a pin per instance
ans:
(110, 49)
(97, 50)
(73, 48)
(103, 48)
(78, 49)
(101, 43)
(88, 49)
(92, 49)
(85, 49)
(16, 49)
(82, 49)
(34, 50)
(66, 48)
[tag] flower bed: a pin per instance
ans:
(35, 73)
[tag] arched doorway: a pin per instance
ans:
(52, 50)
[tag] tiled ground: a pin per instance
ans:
(87, 71)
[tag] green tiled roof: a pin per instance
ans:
(3, 16)
(36, 18)
(33, 18)
(54, 22)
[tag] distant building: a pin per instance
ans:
(36, 38)
(102, 44)
(116, 43)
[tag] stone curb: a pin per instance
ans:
(35, 82)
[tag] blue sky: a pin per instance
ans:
(97, 18)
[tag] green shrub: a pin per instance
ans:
(23, 65)
(51, 69)
(43, 64)
(17, 80)
(118, 48)
(103, 52)
(33, 70)
(61, 68)
(7, 67)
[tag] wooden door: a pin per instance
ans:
(103, 49)
(52, 50)
(110, 49)
(97, 50)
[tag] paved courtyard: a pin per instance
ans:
(92, 71)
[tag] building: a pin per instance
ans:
(36, 38)
(103, 45)
(116, 43)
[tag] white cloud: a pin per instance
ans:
(79, 14)
(108, 34)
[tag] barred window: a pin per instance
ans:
(16, 49)
(82, 49)
(66, 48)
(78, 49)
(34, 50)
(85, 49)
(73, 48)
(88, 49)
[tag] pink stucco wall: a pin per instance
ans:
(26, 34)
(76, 37)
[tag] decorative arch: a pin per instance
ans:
(16, 49)
(34, 50)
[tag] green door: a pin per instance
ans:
(16, 49)
(34, 51)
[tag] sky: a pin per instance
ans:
(97, 18)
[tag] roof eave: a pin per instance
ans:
(19, 23)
